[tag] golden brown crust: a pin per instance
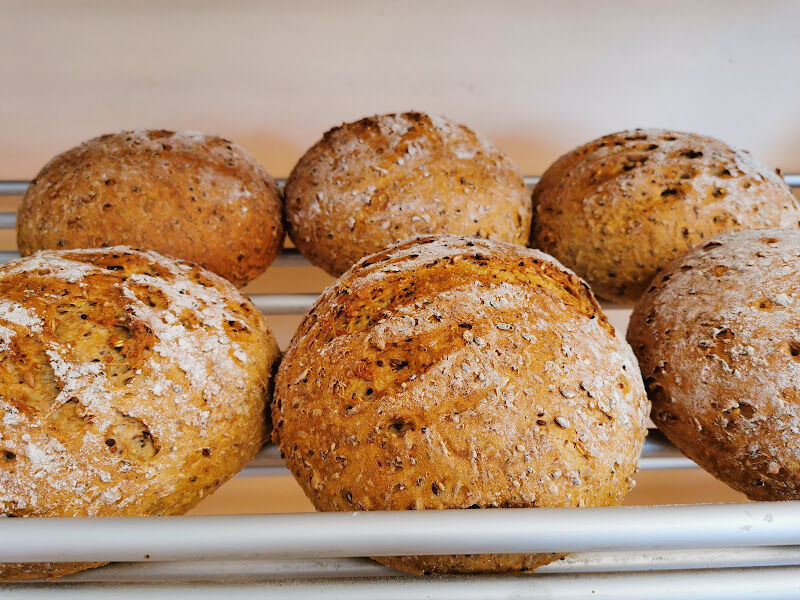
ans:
(452, 372)
(618, 209)
(130, 384)
(371, 183)
(189, 195)
(716, 337)
(469, 563)
(50, 570)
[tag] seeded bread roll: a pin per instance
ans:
(130, 384)
(188, 195)
(618, 209)
(452, 372)
(718, 340)
(371, 183)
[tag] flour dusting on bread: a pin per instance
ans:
(130, 384)
(215, 205)
(385, 178)
(619, 208)
(453, 372)
(717, 338)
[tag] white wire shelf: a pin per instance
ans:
(767, 583)
(255, 569)
(17, 187)
(658, 454)
(388, 533)
(620, 551)
(725, 551)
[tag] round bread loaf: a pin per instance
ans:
(452, 372)
(371, 183)
(188, 195)
(618, 209)
(130, 384)
(718, 340)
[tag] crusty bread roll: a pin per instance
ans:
(371, 183)
(618, 209)
(130, 384)
(718, 340)
(188, 195)
(452, 372)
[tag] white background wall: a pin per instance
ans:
(536, 77)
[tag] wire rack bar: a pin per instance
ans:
(658, 454)
(17, 187)
(773, 583)
(354, 534)
(283, 304)
(299, 304)
(289, 257)
(13, 187)
(288, 304)
(327, 568)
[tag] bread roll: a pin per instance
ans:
(130, 384)
(452, 372)
(618, 209)
(188, 195)
(374, 182)
(718, 340)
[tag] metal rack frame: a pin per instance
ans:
(748, 550)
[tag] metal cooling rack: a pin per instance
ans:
(746, 550)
